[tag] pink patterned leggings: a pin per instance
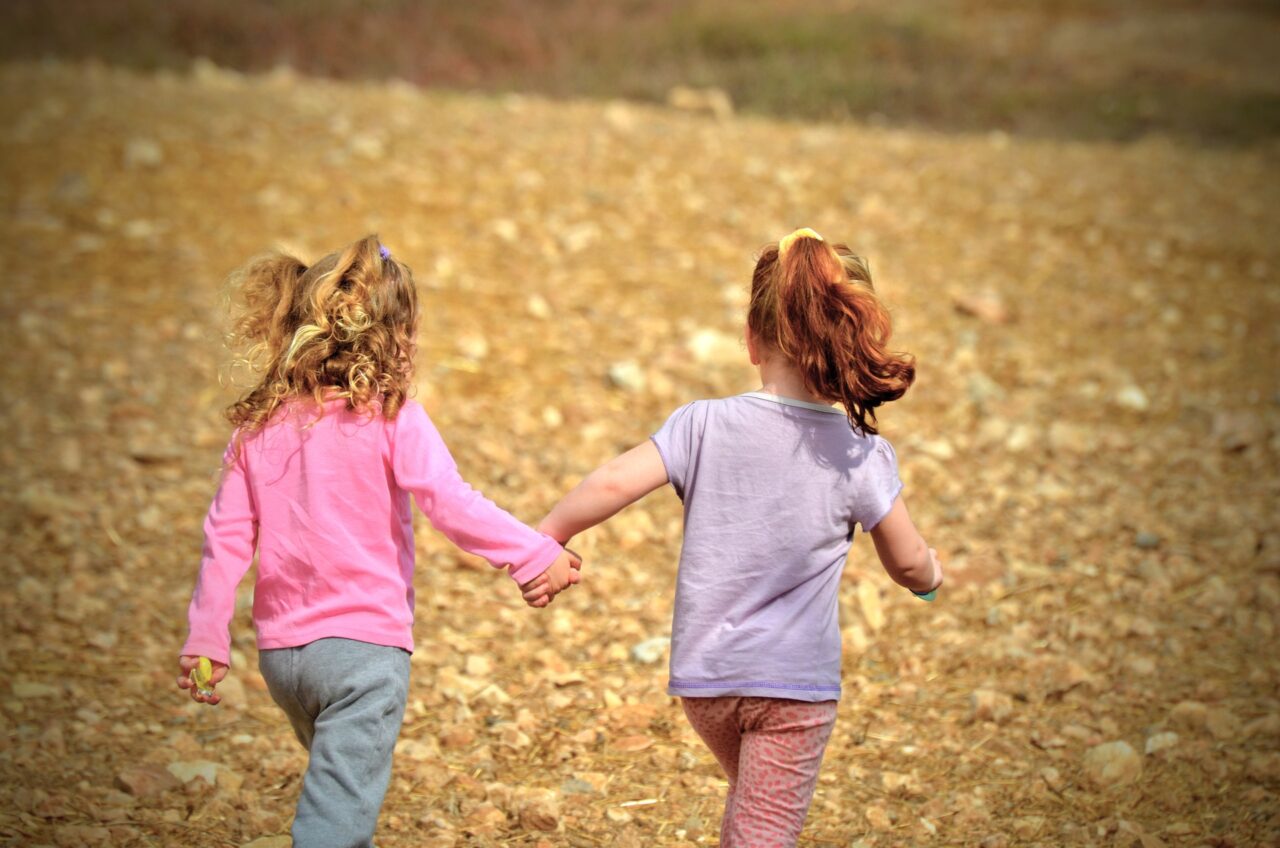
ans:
(770, 749)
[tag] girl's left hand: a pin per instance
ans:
(186, 663)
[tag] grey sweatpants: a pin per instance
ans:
(345, 700)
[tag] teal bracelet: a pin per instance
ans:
(925, 596)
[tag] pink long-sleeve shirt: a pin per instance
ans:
(326, 505)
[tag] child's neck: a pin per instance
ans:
(783, 379)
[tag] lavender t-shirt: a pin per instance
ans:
(772, 488)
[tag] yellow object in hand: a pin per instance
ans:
(202, 677)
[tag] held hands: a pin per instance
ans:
(563, 573)
(187, 663)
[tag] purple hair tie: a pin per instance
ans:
(384, 251)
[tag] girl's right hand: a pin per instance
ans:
(563, 573)
(186, 663)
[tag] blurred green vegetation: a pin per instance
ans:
(1094, 69)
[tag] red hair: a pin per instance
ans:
(814, 303)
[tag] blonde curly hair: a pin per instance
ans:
(344, 327)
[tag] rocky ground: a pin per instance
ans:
(1092, 443)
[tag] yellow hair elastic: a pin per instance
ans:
(788, 240)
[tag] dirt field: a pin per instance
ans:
(1092, 443)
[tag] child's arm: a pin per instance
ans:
(621, 481)
(423, 466)
(230, 537)
(904, 553)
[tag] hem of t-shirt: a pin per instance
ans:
(332, 631)
(753, 689)
(536, 566)
(867, 528)
(796, 402)
(666, 464)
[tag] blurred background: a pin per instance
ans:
(1202, 69)
(1068, 206)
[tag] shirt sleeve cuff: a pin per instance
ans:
(545, 555)
(204, 647)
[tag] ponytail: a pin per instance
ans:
(815, 304)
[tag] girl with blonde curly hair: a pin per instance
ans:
(327, 451)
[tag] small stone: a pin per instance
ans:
(416, 750)
(1159, 741)
(650, 650)
(1052, 778)
(620, 116)
(878, 817)
(712, 347)
(983, 389)
(1028, 827)
(538, 306)
(1132, 397)
(1222, 724)
(473, 346)
(1264, 768)
(146, 781)
(139, 229)
(1146, 541)
(1189, 714)
(578, 237)
(632, 744)
(1112, 764)
(903, 785)
(987, 705)
(487, 815)
(709, 101)
(538, 809)
(81, 836)
(478, 665)
(514, 737)
(1071, 438)
(1141, 666)
(627, 375)
(506, 229)
(1020, 438)
(368, 146)
(457, 736)
(1268, 725)
(32, 591)
(617, 815)
(1237, 430)
(987, 306)
(229, 782)
(207, 73)
(939, 449)
(25, 689)
(577, 786)
(854, 639)
(196, 769)
(143, 153)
